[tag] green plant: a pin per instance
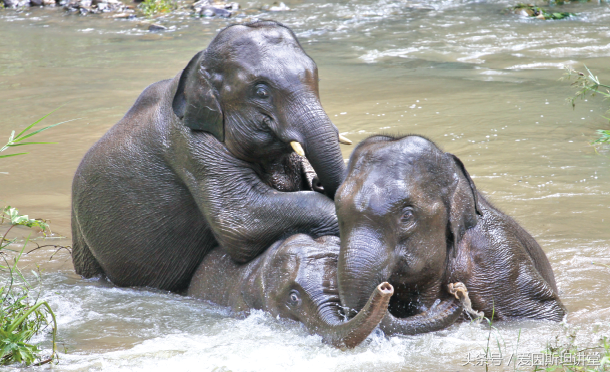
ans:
(16, 140)
(568, 357)
(590, 84)
(601, 264)
(529, 10)
(12, 214)
(21, 317)
(154, 7)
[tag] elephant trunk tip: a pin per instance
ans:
(352, 333)
(385, 289)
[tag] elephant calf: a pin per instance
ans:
(208, 159)
(411, 215)
(296, 279)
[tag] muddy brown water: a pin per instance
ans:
(482, 84)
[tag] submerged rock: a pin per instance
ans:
(276, 7)
(211, 8)
(156, 27)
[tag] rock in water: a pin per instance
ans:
(155, 27)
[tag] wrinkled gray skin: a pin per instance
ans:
(294, 279)
(204, 159)
(410, 214)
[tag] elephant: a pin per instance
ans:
(211, 157)
(294, 278)
(410, 214)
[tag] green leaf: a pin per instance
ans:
(37, 121)
(40, 130)
(32, 143)
(6, 156)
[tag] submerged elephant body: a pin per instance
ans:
(410, 214)
(205, 159)
(294, 279)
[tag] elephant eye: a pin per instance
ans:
(262, 92)
(294, 299)
(407, 215)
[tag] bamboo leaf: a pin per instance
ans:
(37, 121)
(41, 130)
(33, 143)
(6, 156)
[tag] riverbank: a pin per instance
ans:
(147, 10)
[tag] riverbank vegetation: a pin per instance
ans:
(533, 11)
(561, 354)
(589, 85)
(151, 8)
(22, 314)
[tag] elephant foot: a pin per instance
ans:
(460, 292)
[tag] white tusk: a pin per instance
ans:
(296, 146)
(344, 140)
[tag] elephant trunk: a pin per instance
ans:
(363, 261)
(437, 318)
(350, 334)
(320, 140)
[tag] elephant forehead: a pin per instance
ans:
(312, 264)
(386, 183)
(409, 151)
(269, 54)
(300, 252)
(379, 195)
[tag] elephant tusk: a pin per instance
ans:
(344, 140)
(296, 146)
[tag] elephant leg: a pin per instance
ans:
(84, 262)
(245, 214)
(435, 319)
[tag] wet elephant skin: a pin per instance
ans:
(296, 279)
(410, 214)
(204, 159)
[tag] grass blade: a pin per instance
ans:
(6, 156)
(37, 121)
(40, 130)
(32, 143)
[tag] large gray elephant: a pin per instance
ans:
(295, 279)
(411, 215)
(206, 159)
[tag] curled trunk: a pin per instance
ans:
(435, 319)
(350, 334)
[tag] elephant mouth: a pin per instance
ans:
(291, 172)
(402, 309)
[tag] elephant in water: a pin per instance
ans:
(294, 279)
(411, 215)
(206, 159)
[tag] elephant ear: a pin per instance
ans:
(196, 103)
(463, 203)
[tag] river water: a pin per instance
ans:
(482, 83)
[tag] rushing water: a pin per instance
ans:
(481, 83)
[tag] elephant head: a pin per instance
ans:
(403, 209)
(295, 278)
(299, 281)
(255, 89)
